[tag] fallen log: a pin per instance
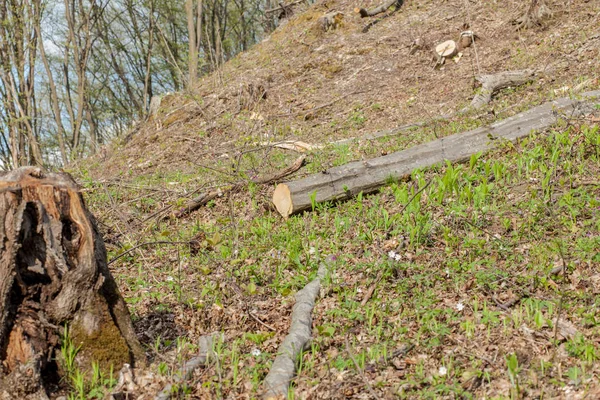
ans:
(283, 369)
(364, 13)
(346, 181)
(490, 84)
(205, 197)
(53, 273)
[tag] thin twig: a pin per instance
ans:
(254, 317)
(360, 371)
(142, 245)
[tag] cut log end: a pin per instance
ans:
(446, 49)
(282, 198)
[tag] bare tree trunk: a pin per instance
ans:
(53, 273)
(193, 51)
(148, 77)
(60, 129)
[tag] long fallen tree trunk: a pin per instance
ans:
(283, 369)
(348, 180)
(53, 274)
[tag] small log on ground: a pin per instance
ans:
(205, 353)
(490, 84)
(444, 50)
(364, 13)
(346, 181)
(205, 197)
(294, 145)
(53, 272)
(284, 367)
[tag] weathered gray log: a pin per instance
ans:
(490, 84)
(53, 272)
(379, 9)
(284, 367)
(348, 180)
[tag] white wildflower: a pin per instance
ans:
(443, 371)
(460, 306)
(447, 273)
(312, 250)
(170, 279)
(255, 352)
(397, 257)
(392, 254)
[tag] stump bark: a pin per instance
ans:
(53, 273)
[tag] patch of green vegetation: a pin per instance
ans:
(463, 252)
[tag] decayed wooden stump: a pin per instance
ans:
(53, 273)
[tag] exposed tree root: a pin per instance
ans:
(284, 367)
(536, 13)
(490, 84)
(205, 197)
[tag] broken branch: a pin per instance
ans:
(205, 353)
(284, 367)
(205, 197)
(490, 84)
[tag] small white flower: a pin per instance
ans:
(443, 371)
(397, 257)
(391, 254)
(359, 290)
(255, 352)
(447, 273)
(170, 279)
(311, 250)
(460, 306)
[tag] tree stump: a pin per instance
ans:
(53, 273)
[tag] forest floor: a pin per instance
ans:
(483, 284)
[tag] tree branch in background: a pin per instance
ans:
(205, 197)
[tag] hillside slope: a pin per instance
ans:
(320, 87)
(468, 281)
